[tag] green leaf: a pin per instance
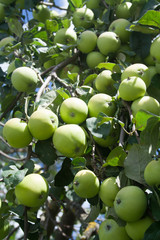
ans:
(135, 163)
(153, 232)
(154, 88)
(51, 26)
(79, 162)
(45, 151)
(47, 98)
(149, 138)
(110, 66)
(77, 3)
(15, 26)
(98, 129)
(90, 79)
(141, 119)
(154, 205)
(151, 18)
(65, 176)
(116, 157)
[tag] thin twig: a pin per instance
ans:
(52, 5)
(12, 232)
(11, 158)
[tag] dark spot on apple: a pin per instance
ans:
(108, 227)
(76, 183)
(41, 196)
(72, 114)
(113, 28)
(118, 201)
(128, 78)
(140, 72)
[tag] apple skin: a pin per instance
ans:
(32, 191)
(24, 79)
(108, 42)
(92, 4)
(73, 110)
(17, 133)
(83, 17)
(108, 191)
(66, 36)
(146, 103)
(70, 140)
(130, 203)
(109, 229)
(139, 70)
(101, 102)
(94, 58)
(118, 26)
(86, 184)
(2, 12)
(151, 173)
(43, 123)
(87, 41)
(155, 48)
(123, 10)
(132, 88)
(104, 83)
(137, 229)
(41, 13)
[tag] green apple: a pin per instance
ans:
(151, 173)
(43, 123)
(119, 26)
(146, 103)
(130, 203)
(66, 36)
(94, 58)
(139, 70)
(70, 68)
(132, 88)
(104, 83)
(73, 110)
(41, 13)
(123, 10)
(137, 229)
(108, 191)
(155, 48)
(83, 17)
(108, 42)
(4, 228)
(109, 229)
(87, 41)
(32, 191)
(149, 61)
(152, 72)
(101, 102)
(70, 140)
(157, 66)
(86, 184)
(24, 79)
(92, 4)
(7, 2)
(16, 133)
(2, 12)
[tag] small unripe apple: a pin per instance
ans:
(104, 83)
(24, 79)
(132, 88)
(155, 48)
(151, 173)
(92, 4)
(70, 140)
(101, 102)
(109, 230)
(123, 10)
(108, 191)
(17, 133)
(108, 42)
(130, 203)
(43, 123)
(2, 12)
(66, 36)
(73, 110)
(138, 70)
(32, 191)
(87, 41)
(137, 229)
(41, 13)
(146, 103)
(83, 17)
(86, 184)
(119, 26)
(94, 58)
